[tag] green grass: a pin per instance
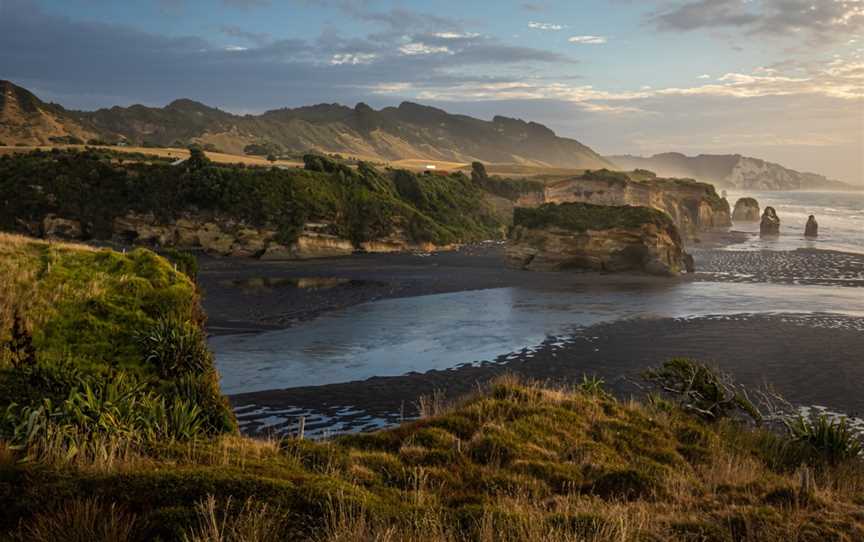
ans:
(117, 350)
(580, 217)
(515, 462)
(90, 304)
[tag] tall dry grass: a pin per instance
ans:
(227, 522)
(81, 520)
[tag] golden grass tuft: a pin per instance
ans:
(81, 520)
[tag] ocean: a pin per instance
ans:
(840, 216)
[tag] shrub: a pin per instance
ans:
(175, 348)
(184, 261)
(831, 440)
(581, 217)
(20, 345)
(699, 389)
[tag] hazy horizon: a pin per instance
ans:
(774, 79)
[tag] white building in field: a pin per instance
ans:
(431, 167)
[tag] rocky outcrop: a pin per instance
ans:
(693, 206)
(746, 210)
(222, 236)
(812, 227)
(226, 237)
(770, 225)
(598, 238)
(61, 229)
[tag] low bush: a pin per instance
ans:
(831, 440)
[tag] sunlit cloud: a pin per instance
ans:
(546, 26)
(588, 40)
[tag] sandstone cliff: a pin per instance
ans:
(224, 236)
(693, 206)
(593, 237)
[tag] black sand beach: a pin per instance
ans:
(816, 350)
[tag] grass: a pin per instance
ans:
(115, 358)
(516, 461)
(89, 304)
(581, 217)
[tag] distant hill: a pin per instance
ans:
(730, 171)
(25, 119)
(394, 133)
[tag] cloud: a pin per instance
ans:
(820, 22)
(419, 48)
(704, 76)
(254, 37)
(456, 35)
(339, 59)
(80, 63)
(588, 40)
(545, 26)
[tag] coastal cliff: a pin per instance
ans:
(693, 206)
(598, 238)
(731, 170)
(327, 209)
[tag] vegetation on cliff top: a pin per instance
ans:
(97, 346)
(363, 204)
(581, 217)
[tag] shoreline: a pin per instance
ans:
(252, 296)
(615, 351)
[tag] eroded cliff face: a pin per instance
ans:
(693, 206)
(222, 236)
(653, 247)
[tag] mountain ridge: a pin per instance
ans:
(409, 130)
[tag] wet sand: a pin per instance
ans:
(234, 308)
(823, 352)
(817, 359)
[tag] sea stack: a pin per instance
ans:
(812, 228)
(574, 236)
(770, 225)
(746, 210)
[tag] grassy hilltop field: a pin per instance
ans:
(112, 427)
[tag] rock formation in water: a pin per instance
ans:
(569, 236)
(812, 227)
(770, 225)
(693, 206)
(746, 210)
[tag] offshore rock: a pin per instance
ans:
(575, 236)
(770, 225)
(812, 227)
(746, 210)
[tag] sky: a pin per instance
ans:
(781, 80)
